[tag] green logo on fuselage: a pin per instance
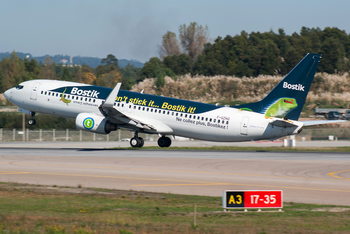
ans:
(88, 123)
(63, 99)
(280, 108)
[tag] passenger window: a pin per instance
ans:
(42, 92)
(147, 109)
(202, 118)
(168, 112)
(45, 92)
(177, 114)
(94, 100)
(163, 112)
(143, 108)
(194, 117)
(226, 122)
(123, 105)
(172, 113)
(129, 106)
(181, 115)
(134, 107)
(86, 99)
(185, 115)
(139, 107)
(206, 119)
(49, 93)
(210, 120)
(219, 121)
(151, 110)
(160, 111)
(214, 120)
(81, 99)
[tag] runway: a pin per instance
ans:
(319, 178)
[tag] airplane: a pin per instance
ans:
(102, 110)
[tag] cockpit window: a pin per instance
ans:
(19, 87)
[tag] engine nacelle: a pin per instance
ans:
(94, 123)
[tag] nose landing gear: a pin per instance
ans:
(32, 120)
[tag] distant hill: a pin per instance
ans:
(90, 61)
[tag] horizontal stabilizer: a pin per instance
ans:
(283, 123)
(316, 122)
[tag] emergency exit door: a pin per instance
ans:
(244, 126)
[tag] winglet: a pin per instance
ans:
(111, 97)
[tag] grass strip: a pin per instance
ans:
(42, 209)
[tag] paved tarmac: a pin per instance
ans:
(322, 178)
(189, 143)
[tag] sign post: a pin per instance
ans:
(233, 199)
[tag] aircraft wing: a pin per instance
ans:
(107, 109)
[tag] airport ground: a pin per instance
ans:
(176, 143)
(306, 177)
(132, 189)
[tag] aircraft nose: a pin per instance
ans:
(8, 94)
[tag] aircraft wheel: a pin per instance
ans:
(32, 122)
(164, 142)
(135, 142)
(168, 141)
(142, 142)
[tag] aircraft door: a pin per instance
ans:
(34, 91)
(244, 126)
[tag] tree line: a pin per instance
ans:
(249, 55)
(14, 70)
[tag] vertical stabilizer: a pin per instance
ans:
(287, 99)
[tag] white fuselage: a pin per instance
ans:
(217, 124)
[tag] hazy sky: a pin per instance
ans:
(133, 29)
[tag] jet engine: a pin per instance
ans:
(94, 123)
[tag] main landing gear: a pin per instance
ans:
(164, 141)
(137, 141)
(32, 120)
